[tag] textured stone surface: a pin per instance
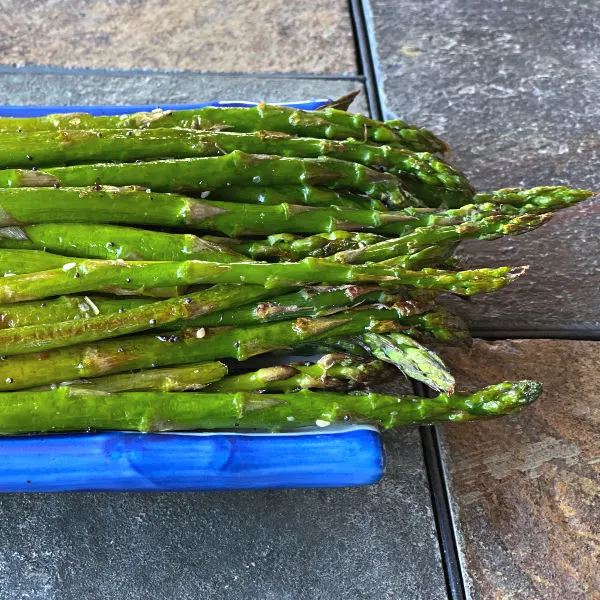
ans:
(526, 488)
(376, 542)
(513, 85)
(226, 36)
(17, 87)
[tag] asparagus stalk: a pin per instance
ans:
(17, 262)
(37, 338)
(543, 198)
(133, 278)
(328, 123)
(188, 346)
(65, 409)
(171, 379)
(64, 308)
(305, 195)
(206, 174)
(489, 228)
(133, 207)
(332, 371)
(112, 242)
(316, 302)
(307, 302)
(292, 247)
(413, 359)
(53, 149)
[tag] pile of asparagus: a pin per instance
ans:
(146, 257)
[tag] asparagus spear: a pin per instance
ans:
(206, 174)
(16, 262)
(543, 198)
(111, 242)
(292, 247)
(133, 207)
(328, 123)
(490, 228)
(332, 371)
(188, 346)
(307, 302)
(37, 338)
(412, 358)
(305, 195)
(53, 149)
(316, 302)
(133, 278)
(65, 409)
(171, 379)
(64, 308)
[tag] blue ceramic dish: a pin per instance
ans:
(125, 461)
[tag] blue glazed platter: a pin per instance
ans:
(126, 461)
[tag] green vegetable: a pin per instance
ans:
(332, 371)
(112, 242)
(52, 149)
(36, 338)
(206, 174)
(65, 409)
(327, 123)
(412, 358)
(190, 345)
(134, 278)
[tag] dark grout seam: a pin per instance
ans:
(572, 333)
(50, 70)
(365, 58)
(440, 502)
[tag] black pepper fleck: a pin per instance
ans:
(29, 157)
(3, 357)
(188, 300)
(56, 185)
(99, 134)
(121, 310)
(119, 349)
(77, 275)
(9, 380)
(128, 280)
(97, 187)
(236, 344)
(42, 304)
(152, 321)
(129, 133)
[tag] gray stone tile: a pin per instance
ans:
(310, 36)
(375, 542)
(20, 87)
(513, 87)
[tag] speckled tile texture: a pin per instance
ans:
(513, 86)
(526, 488)
(225, 36)
(377, 542)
